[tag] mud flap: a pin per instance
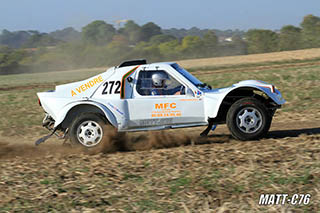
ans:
(207, 130)
(43, 139)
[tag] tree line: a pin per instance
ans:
(101, 44)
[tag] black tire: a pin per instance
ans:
(91, 132)
(248, 119)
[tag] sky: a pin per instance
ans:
(51, 15)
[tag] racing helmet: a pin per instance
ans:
(159, 79)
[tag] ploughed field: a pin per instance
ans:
(168, 171)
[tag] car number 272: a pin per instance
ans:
(109, 85)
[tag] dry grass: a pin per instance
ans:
(255, 58)
(51, 78)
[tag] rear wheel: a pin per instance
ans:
(248, 119)
(90, 131)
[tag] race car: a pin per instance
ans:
(136, 96)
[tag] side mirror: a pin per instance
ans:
(129, 79)
(190, 92)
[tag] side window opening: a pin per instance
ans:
(158, 82)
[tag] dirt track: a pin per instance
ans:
(154, 140)
(211, 176)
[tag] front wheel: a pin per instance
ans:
(248, 119)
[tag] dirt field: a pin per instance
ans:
(169, 171)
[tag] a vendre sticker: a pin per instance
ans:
(87, 85)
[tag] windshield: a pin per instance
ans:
(191, 78)
(187, 75)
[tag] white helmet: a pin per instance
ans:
(158, 79)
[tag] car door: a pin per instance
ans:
(170, 109)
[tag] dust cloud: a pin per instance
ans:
(112, 142)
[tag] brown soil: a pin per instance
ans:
(216, 174)
(26, 149)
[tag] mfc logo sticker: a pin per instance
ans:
(166, 106)
(165, 110)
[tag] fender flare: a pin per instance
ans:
(265, 90)
(107, 112)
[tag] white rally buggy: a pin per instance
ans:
(129, 98)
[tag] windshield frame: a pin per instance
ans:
(192, 79)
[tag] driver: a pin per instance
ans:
(159, 86)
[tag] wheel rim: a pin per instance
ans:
(89, 133)
(249, 120)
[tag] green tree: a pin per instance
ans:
(14, 39)
(170, 49)
(10, 60)
(118, 41)
(132, 31)
(40, 40)
(118, 49)
(148, 30)
(311, 31)
(67, 34)
(158, 39)
(5, 49)
(192, 47)
(290, 38)
(239, 45)
(262, 41)
(73, 51)
(210, 42)
(146, 50)
(98, 33)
